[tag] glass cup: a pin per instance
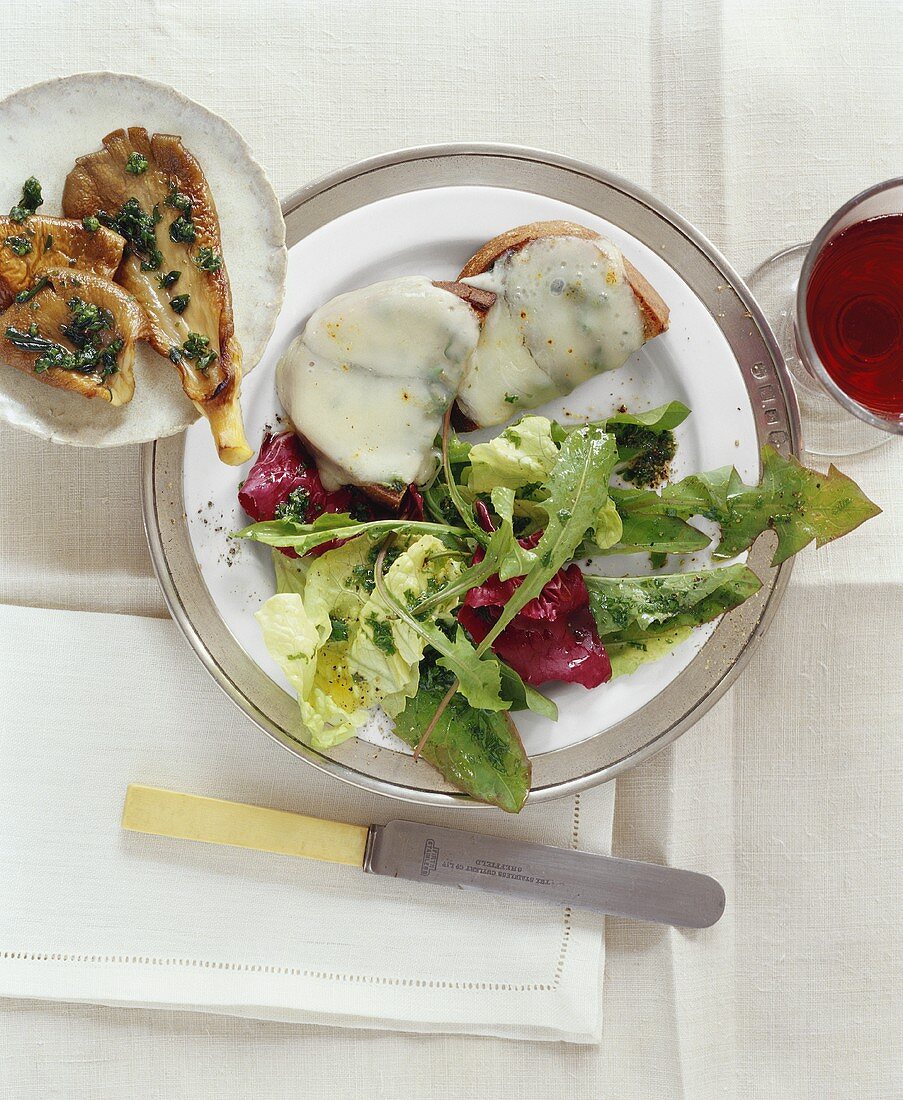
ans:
(834, 423)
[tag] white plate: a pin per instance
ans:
(42, 130)
(346, 234)
(434, 233)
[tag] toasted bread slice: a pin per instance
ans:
(479, 301)
(368, 381)
(652, 306)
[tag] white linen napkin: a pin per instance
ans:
(92, 702)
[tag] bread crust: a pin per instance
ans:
(653, 308)
(479, 300)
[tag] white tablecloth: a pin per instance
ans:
(755, 120)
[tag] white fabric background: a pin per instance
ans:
(93, 914)
(755, 120)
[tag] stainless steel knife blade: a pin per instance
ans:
(622, 887)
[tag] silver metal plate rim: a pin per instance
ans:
(734, 640)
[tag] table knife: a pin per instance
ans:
(435, 854)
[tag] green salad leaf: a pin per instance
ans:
(627, 608)
(799, 504)
(648, 525)
(577, 492)
(645, 440)
(523, 696)
(664, 418)
(642, 619)
(627, 656)
(521, 455)
(479, 678)
(478, 751)
(338, 642)
(519, 463)
(303, 537)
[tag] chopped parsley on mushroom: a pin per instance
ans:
(91, 355)
(207, 260)
(182, 230)
(139, 229)
(136, 164)
(29, 202)
(26, 295)
(196, 348)
(20, 245)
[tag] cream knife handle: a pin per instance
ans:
(194, 817)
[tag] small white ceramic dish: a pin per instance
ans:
(43, 129)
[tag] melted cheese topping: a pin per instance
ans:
(564, 312)
(368, 381)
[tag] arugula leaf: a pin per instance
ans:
(664, 418)
(627, 656)
(578, 490)
(648, 523)
(523, 696)
(799, 504)
(478, 751)
(302, 537)
(627, 608)
(479, 678)
(462, 505)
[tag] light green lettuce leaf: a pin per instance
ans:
(385, 649)
(332, 707)
(523, 454)
(607, 526)
(335, 640)
(291, 573)
(511, 558)
(479, 679)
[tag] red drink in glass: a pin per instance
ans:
(854, 309)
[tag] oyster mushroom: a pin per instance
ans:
(76, 331)
(30, 247)
(153, 192)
